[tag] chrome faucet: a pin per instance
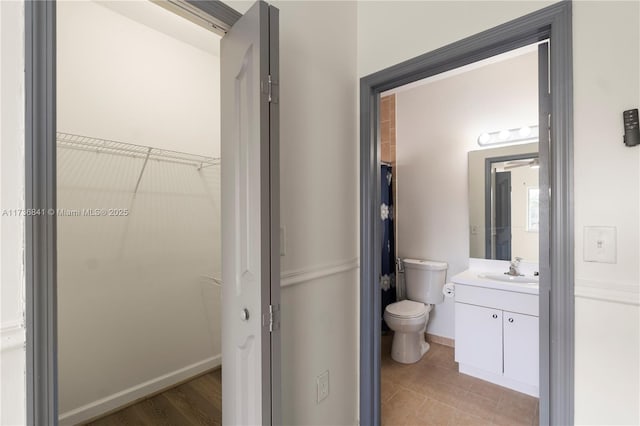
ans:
(514, 268)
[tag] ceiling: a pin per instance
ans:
(162, 20)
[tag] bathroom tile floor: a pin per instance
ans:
(432, 392)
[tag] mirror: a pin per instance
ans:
(503, 202)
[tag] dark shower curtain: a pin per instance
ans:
(388, 270)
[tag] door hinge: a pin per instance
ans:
(271, 89)
(274, 318)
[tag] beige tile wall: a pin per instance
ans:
(388, 129)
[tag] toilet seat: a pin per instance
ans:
(407, 309)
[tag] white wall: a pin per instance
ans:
(135, 314)
(319, 204)
(437, 125)
(133, 306)
(12, 334)
(607, 192)
(128, 66)
(606, 173)
(394, 31)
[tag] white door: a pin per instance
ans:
(249, 216)
(521, 347)
(478, 334)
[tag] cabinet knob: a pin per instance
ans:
(510, 319)
(494, 316)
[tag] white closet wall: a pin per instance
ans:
(136, 309)
(134, 72)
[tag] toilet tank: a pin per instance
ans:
(424, 280)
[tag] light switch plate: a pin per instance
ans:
(600, 244)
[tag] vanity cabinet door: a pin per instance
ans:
(521, 347)
(478, 333)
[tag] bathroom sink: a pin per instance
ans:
(510, 278)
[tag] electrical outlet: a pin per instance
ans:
(323, 386)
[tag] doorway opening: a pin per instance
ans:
(555, 302)
(138, 222)
(437, 127)
(140, 184)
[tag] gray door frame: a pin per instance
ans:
(556, 274)
(40, 194)
(40, 230)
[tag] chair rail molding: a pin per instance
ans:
(302, 275)
(627, 293)
(13, 336)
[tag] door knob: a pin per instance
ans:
(510, 319)
(494, 316)
(244, 314)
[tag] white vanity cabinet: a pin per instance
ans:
(520, 347)
(478, 332)
(496, 336)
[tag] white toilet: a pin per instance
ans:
(424, 281)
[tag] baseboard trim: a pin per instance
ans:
(298, 276)
(136, 393)
(445, 341)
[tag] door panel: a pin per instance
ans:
(503, 215)
(478, 332)
(544, 206)
(521, 347)
(274, 145)
(247, 219)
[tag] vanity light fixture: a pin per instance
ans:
(504, 137)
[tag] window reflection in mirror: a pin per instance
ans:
(503, 202)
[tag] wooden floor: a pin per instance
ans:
(197, 402)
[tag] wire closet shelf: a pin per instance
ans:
(86, 143)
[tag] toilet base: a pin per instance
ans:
(408, 348)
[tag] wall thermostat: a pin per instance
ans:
(631, 127)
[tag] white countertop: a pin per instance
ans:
(472, 277)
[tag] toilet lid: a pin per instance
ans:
(406, 309)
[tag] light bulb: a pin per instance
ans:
(484, 138)
(525, 131)
(504, 135)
